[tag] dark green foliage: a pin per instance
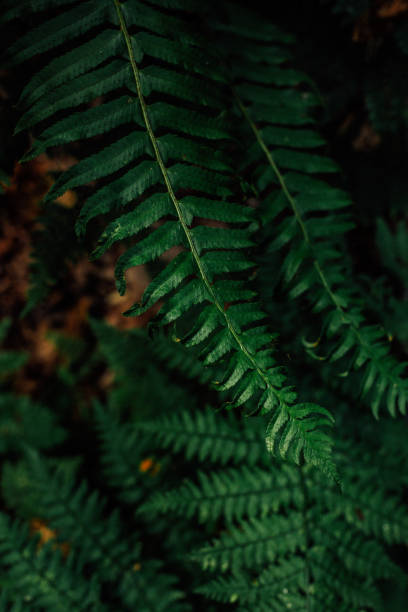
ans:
(202, 435)
(267, 533)
(176, 172)
(22, 420)
(200, 153)
(41, 577)
(315, 263)
(49, 255)
(278, 516)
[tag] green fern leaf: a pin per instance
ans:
(42, 577)
(253, 543)
(231, 493)
(315, 264)
(202, 434)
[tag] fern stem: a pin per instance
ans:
(179, 211)
(320, 272)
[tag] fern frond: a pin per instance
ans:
(149, 588)
(122, 453)
(23, 421)
(274, 584)
(332, 577)
(253, 543)
(124, 353)
(48, 255)
(40, 576)
(78, 516)
(174, 173)
(360, 556)
(277, 589)
(295, 202)
(232, 494)
(284, 585)
(203, 435)
(372, 509)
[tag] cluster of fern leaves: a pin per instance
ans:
(185, 509)
(200, 143)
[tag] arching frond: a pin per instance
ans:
(305, 216)
(167, 182)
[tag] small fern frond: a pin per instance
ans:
(203, 435)
(253, 543)
(78, 516)
(232, 493)
(23, 421)
(123, 352)
(41, 576)
(276, 584)
(123, 450)
(149, 588)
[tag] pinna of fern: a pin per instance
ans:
(42, 579)
(79, 517)
(167, 169)
(303, 215)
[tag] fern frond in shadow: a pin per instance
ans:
(304, 216)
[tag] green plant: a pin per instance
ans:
(200, 137)
(245, 530)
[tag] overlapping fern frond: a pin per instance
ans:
(79, 518)
(282, 544)
(247, 531)
(165, 176)
(304, 215)
(42, 578)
